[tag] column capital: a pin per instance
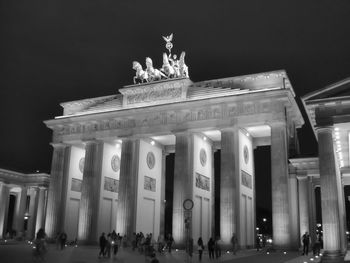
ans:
(302, 177)
(58, 144)
(324, 129)
(230, 128)
(277, 124)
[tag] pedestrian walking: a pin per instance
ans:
(108, 246)
(217, 247)
(211, 246)
(63, 240)
(169, 242)
(200, 248)
(306, 243)
(258, 246)
(234, 243)
(102, 243)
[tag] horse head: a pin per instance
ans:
(136, 65)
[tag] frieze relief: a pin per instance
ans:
(222, 111)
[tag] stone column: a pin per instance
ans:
(183, 184)
(127, 197)
(312, 210)
(294, 211)
(90, 193)
(162, 196)
(33, 208)
(54, 200)
(40, 218)
(303, 206)
(212, 187)
(229, 176)
(4, 204)
(329, 196)
(20, 209)
(279, 182)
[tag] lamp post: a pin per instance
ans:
(188, 205)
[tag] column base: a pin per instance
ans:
(332, 257)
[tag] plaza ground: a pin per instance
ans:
(21, 252)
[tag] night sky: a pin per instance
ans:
(58, 50)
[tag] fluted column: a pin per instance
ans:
(303, 206)
(33, 208)
(229, 175)
(40, 215)
(126, 213)
(20, 209)
(312, 210)
(212, 187)
(54, 205)
(4, 204)
(90, 193)
(293, 212)
(183, 183)
(279, 183)
(329, 196)
(162, 195)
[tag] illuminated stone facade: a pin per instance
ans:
(29, 192)
(108, 168)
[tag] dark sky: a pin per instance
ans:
(60, 50)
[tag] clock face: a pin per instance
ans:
(188, 204)
(81, 165)
(151, 160)
(203, 157)
(115, 163)
(246, 154)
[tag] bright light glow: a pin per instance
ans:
(316, 256)
(76, 245)
(269, 241)
(204, 138)
(336, 129)
(347, 232)
(228, 252)
(247, 134)
(318, 225)
(117, 145)
(257, 228)
(312, 259)
(5, 240)
(264, 219)
(268, 253)
(320, 254)
(37, 171)
(336, 133)
(284, 252)
(152, 142)
(337, 142)
(34, 247)
(26, 217)
(176, 250)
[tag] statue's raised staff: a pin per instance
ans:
(140, 73)
(153, 74)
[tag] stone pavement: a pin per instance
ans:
(15, 252)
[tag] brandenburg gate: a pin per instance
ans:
(108, 165)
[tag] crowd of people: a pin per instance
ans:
(147, 245)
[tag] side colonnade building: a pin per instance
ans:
(29, 194)
(108, 165)
(328, 111)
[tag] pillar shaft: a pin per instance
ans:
(33, 208)
(162, 196)
(4, 203)
(40, 218)
(229, 175)
(312, 210)
(54, 205)
(279, 182)
(304, 210)
(183, 184)
(90, 193)
(20, 210)
(329, 196)
(127, 197)
(293, 212)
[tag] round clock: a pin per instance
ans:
(188, 204)
(115, 163)
(203, 157)
(81, 164)
(151, 160)
(246, 154)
